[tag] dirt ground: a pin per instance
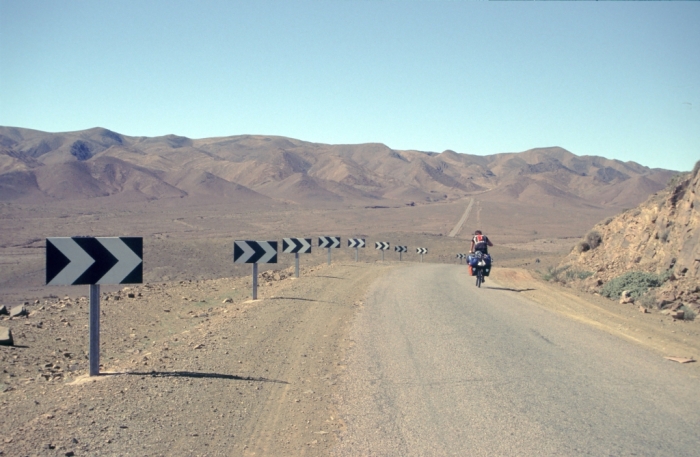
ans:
(197, 368)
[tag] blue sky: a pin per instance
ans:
(619, 80)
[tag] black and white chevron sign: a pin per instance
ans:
(381, 245)
(296, 245)
(461, 256)
(88, 260)
(401, 248)
(356, 242)
(254, 251)
(328, 241)
(421, 250)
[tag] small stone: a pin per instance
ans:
(6, 337)
(626, 297)
(199, 346)
(643, 310)
(131, 295)
(18, 311)
(3, 310)
(679, 314)
(228, 300)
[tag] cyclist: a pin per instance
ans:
(480, 243)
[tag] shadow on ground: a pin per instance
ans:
(194, 374)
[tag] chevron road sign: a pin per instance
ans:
(382, 246)
(329, 242)
(254, 251)
(296, 246)
(421, 251)
(401, 250)
(356, 243)
(461, 256)
(94, 261)
(87, 260)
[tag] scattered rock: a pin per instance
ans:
(18, 311)
(626, 297)
(643, 310)
(680, 359)
(3, 310)
(131, 295)
(228, 300)
(678, 314)
(6, 337)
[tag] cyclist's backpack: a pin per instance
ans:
(480, 243)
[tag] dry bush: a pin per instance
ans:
(594, 239)
(582, 246)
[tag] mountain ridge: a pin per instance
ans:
(36, 165)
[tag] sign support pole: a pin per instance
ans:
(356, 251)
(255, 281)
(296, 264)
(400, 253)
(421, 258)
(94, 329)
(329, 256)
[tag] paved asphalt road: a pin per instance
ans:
(443, 368)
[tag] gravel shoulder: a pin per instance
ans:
(184, 373)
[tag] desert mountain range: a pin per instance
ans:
(38, 166)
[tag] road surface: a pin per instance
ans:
(442, 368)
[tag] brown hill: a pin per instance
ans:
(36, 166)
(660, 236)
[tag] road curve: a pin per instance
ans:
(442, 368)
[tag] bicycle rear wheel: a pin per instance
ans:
(479, 277)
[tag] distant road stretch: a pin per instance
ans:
(461, 222)
(442, 368)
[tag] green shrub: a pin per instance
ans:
(647, 300)
(594, 239)
(554, 273)
(578, 274)
(636, 282)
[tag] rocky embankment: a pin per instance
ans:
(653, 249)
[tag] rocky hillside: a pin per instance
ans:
(40, 166)
(660, 237)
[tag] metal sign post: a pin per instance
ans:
(94, 329)
(296, 264)
(255, 281)
(329, 256)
